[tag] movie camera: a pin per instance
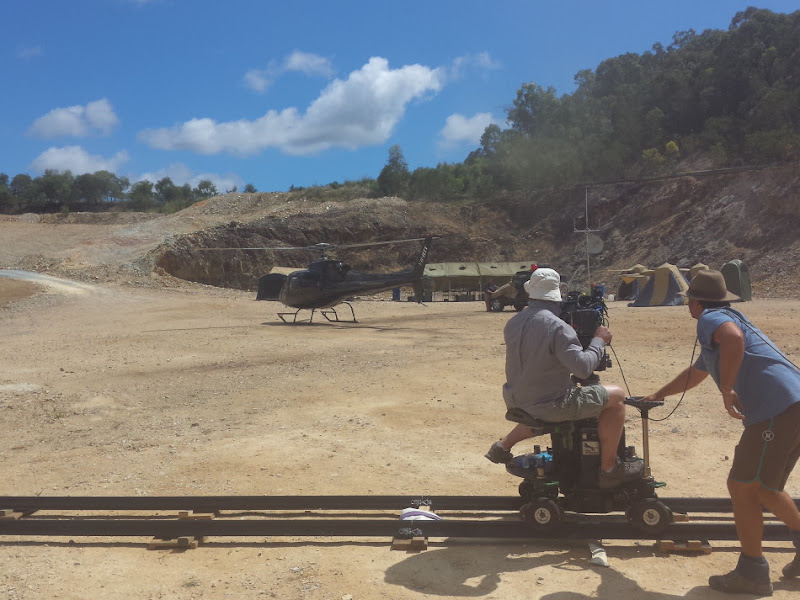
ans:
(586, 312)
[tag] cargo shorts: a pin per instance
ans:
(578, 403)
(768, 451)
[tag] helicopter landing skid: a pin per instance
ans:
(332, 311)
(330, 315)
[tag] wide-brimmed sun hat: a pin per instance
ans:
(543, 285)
(709, 286)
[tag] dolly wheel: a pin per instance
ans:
(542, 513)
(651, 516)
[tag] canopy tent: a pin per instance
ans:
(284, 270)
(631, 281)
(470, 276)
(665, 283)
(737, 279)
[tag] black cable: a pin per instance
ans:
(685, 389)
(683, 394)
(619, 364)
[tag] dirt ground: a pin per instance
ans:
(114, 389)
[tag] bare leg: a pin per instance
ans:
(519, 433)
(609, 426)
(748, 516)
(781, 505)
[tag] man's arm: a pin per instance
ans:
(570, 353)
(687, 379)
(730, 340)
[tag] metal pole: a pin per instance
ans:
(586, 231)
(588, 272)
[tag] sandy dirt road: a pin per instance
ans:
(201, 391)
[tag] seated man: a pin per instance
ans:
(542, 351)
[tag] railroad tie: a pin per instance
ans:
(688, 546)
(184, 542)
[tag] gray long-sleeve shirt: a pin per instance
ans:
(541, 353)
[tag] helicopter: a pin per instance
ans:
(327, 283)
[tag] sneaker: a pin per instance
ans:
(621, 473)
(736, 583)
(499, 455)
(793, 568)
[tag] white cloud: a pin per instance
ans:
(459, 129)
(77, 160)
(101, 117)
(258, 80)
(180, 174)
(76, 121)
(310, 64)
(29, 52)
(360, 110)
(482, 61)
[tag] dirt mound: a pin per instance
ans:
(753, 216)
(466, 234)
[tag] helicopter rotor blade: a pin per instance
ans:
(366, 244)
(323, 246)
(259, 248)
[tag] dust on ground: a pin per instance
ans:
(190, 390)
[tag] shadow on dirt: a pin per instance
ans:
(464, 572)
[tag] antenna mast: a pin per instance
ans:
(586, 231)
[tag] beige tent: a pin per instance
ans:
(632, 280)
(665, 283)
(284, 270)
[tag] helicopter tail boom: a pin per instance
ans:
(422, 259)
(419, 269)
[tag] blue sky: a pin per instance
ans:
(296, 93)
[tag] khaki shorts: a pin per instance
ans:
(578, 403)
(768, 451)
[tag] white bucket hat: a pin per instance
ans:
(544, 285)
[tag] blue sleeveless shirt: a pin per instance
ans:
(767, 383)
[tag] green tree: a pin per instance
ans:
(205, 189)
(141, 196)
(7, 200)
(23, 189)
(250, 189)
(394, 178)
(672, 151)
(97, 191)
(53, 191)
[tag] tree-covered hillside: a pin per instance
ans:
(718, 98)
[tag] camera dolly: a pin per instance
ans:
(564, 477)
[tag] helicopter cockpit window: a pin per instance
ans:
(305, 279)
(335, 269)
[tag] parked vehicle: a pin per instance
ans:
(511, 294)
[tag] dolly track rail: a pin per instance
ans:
(386, 528)
(311, 520)
(272, 503)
